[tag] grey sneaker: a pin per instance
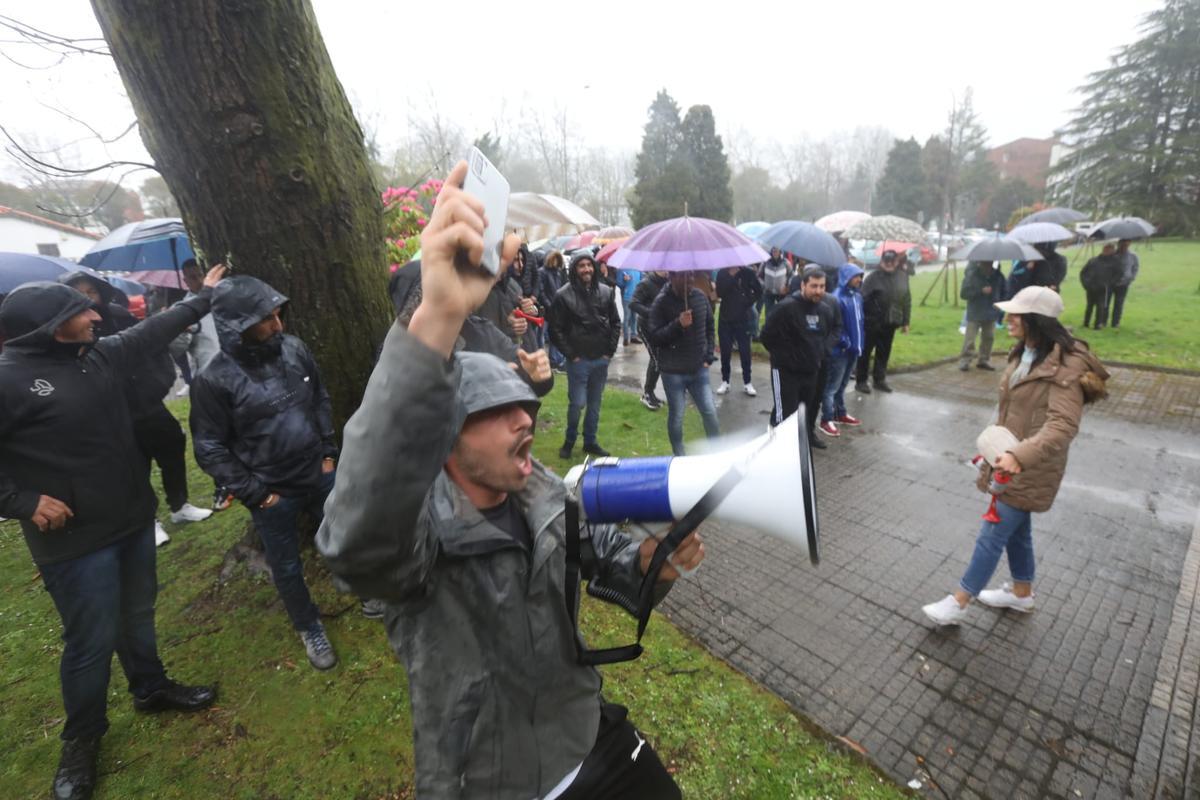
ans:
(373, 609)
(317, 646)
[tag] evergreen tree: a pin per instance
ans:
(1135, 139)
(901, 187)
(664, 178)
(706, 155)
(489, 145)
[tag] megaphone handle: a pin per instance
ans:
(679, 531)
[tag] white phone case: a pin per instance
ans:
(486, 183)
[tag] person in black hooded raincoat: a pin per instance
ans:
(262, 427)
(72, 473)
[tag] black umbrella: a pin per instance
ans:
(1057, 215)
(1123, 228)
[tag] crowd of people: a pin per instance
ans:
(442, 522)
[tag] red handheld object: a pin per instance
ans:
(1002, 478)
(539, 321)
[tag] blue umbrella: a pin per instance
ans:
(151, 244)
(804, 240)
(18, 268)
(129, 287)
(753, 229)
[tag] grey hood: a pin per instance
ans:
(488, 382)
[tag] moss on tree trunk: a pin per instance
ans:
(239, 106)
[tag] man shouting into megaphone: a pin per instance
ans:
(440, 510)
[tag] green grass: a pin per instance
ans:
(283, 730)
(1160, 325)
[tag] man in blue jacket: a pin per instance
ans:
(262, 427)
(72, 473)
(845, 353)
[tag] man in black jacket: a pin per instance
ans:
(71, 471)
(797, 337)
(585, 326)
(262, 427)
(648, 288)
(158, 433)
(887, 306)
(682, 330)
(739, 290)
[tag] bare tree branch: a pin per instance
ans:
(42, 38)
(32, 162)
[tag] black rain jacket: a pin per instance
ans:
(66, 430)
(261, 418)
(584, 322)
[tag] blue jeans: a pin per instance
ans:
(696, 384)
(1014, 534)
(629, 325)
(277, 526)
(585, 388)
(841, 368)
(106, 602)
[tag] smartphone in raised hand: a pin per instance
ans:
(488, 186)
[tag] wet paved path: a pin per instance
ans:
(1093, 695)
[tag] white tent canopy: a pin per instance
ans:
(537, 216)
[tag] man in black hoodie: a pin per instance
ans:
(71, 471)
(797, 334)
(262, 427)
(739, 289)
(887, 306)
(158, 433)
(585, 326)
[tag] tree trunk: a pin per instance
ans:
(240, 108)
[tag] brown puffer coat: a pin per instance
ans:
(1043, 411)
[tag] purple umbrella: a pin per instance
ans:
(687, 243)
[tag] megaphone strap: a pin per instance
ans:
(667, 545)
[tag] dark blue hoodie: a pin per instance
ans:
(850, 301)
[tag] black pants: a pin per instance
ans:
(1097, 300)
(1118, 303)
(160, 439)
(651, 367)
(728, 333)
(621, 764)
(879, 341)
(790, 389)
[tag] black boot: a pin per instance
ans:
(177, 697)
(76, 776)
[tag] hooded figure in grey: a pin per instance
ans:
(501, 706)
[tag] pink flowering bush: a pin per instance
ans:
(405, 214)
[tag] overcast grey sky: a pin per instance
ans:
(780, 70)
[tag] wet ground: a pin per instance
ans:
(1092, 695)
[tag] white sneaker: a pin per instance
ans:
(946, 611)
(750, 390)
(183, 391)
(189, 513)
(723, 388)
(160, 534)
(1004, 598)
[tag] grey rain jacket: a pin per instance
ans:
(501, 707)
(261, 418)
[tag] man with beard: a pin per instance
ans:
(797, 335)
(72, 473)
(440, 509)
(262, 427)
(585, 326)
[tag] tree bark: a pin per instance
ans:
(239, 106)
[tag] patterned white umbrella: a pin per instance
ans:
(878, 229)
(839, 221)
(540, 215)
(1034, 232)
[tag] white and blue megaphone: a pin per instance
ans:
(768, 486)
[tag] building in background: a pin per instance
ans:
(1025, 158)
(22, 232)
